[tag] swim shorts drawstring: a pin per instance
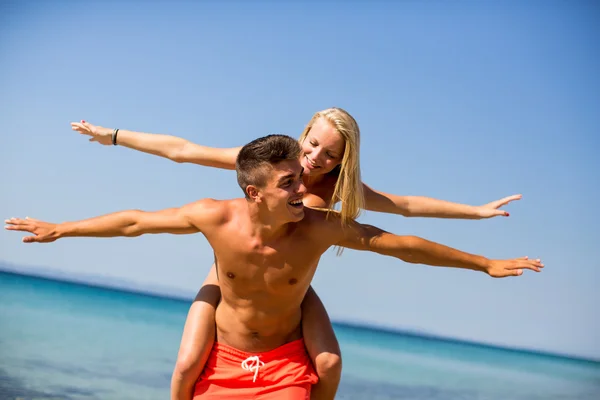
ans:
(252, 364)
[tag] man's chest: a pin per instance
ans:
(272, 266)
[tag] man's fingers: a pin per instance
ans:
(22, 228)
(17, 224)
(27, 225)
(537, 262)
(526, 263)
(536, 265)
(518, 272)
(531, 267)
(14, 221)
(19, 227)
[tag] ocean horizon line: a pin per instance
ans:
(124, 286)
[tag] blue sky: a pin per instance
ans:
(463, 101)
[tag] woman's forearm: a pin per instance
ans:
(178, 149)
(167, 146)
(420, 206)
(417, 206)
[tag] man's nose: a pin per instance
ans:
(301, 188)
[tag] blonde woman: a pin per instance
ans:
(330, 158)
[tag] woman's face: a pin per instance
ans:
(322, 149)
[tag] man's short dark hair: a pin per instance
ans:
(255, 158)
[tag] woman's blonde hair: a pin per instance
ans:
(348, 187)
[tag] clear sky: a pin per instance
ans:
(464, 101)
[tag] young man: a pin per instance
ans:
(267, 247)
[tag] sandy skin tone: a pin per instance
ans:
(322, 151)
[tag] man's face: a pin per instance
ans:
(284, 191)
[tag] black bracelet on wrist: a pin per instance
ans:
(114, 136)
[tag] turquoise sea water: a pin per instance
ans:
(61, 340)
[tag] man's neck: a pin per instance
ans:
(264, 226)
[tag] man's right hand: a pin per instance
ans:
(514, 267)
(44, 232)
(97, 133)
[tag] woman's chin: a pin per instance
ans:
(311, 172)
(308, 170)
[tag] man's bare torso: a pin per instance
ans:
(263, 283)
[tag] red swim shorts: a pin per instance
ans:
(284, 373)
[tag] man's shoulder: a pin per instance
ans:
(213, 210)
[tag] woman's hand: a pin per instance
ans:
(96, 133)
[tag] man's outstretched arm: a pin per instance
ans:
(416, 250)
(128, 223)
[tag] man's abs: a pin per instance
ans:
(249, 330)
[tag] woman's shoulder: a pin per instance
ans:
(320, 195)
(314, 200)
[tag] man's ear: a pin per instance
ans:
(253, 193)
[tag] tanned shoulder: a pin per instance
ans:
(328, 226)
(323, 222)
(209, 212)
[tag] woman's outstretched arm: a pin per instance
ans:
(172, 147)
(418, 206)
